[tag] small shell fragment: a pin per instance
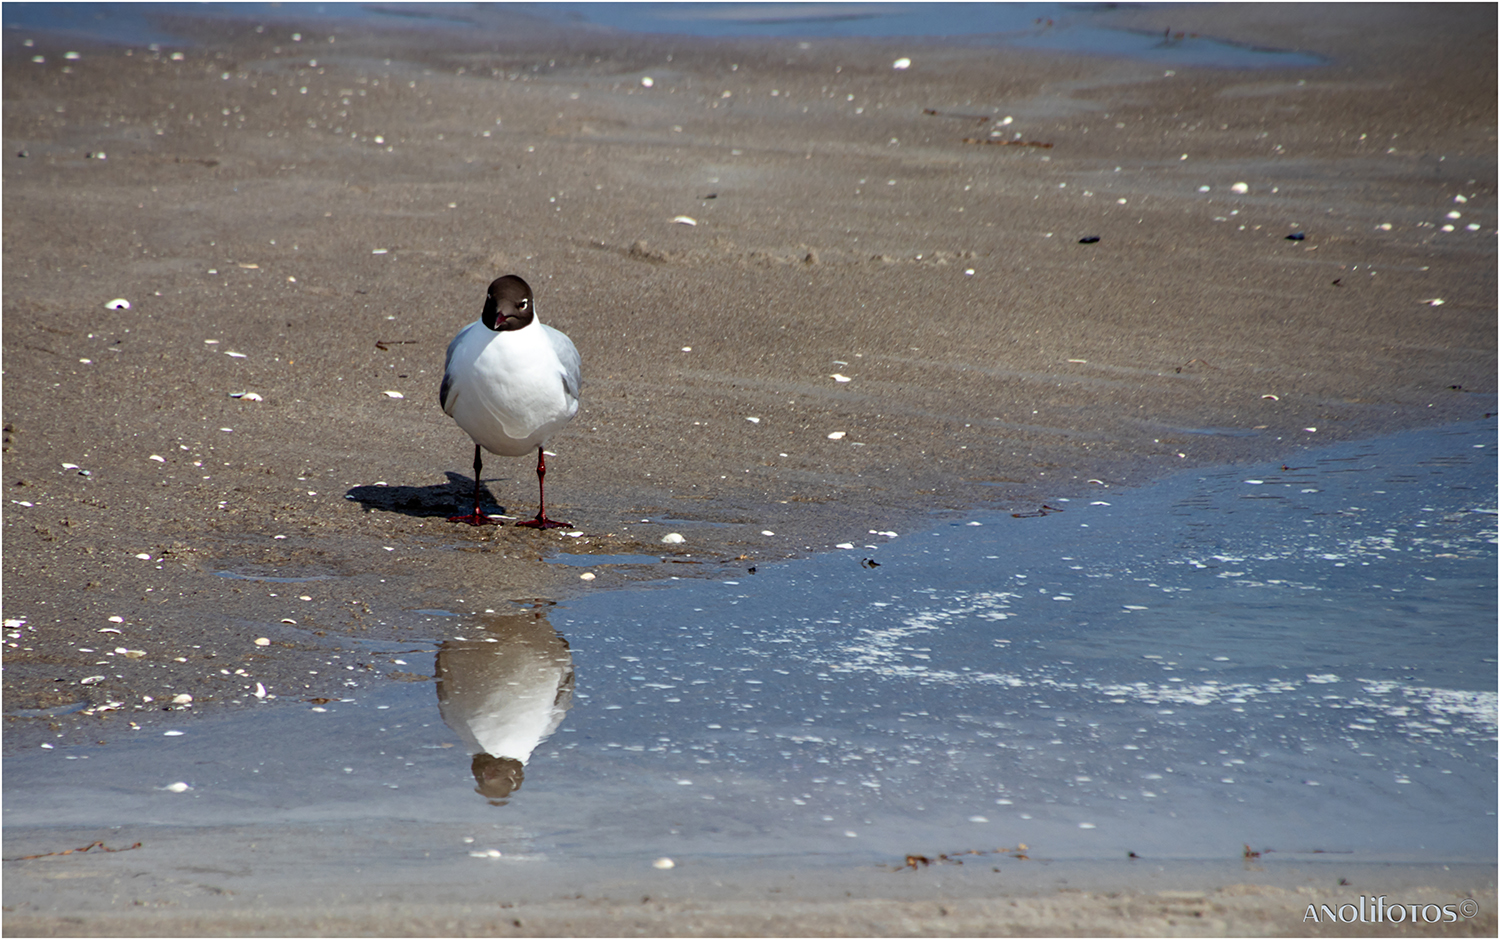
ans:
(246, 396)
(672, 538)
(260, 690)
(586, 576)
(1432, 301)
(647, 81)
(119, 303)
(901, 64)
(91, 680)
(1271, 397)
(1240, 188)
(262, 641)
(183, 699)
(838, 377)
(390, 394)
(685, 220)
(663, 863)
(178, 787)
(836, 436)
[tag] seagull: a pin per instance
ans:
(511, 382)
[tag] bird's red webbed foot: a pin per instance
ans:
(542, 522)
(474, 518)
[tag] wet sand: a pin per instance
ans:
(330, 241)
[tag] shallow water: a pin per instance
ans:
(1297, 658)
(1059, 26)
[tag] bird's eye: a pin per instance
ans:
(522, 304)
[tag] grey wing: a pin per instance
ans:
(447, 365)
(567, 355)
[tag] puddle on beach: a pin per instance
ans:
(1057, 26)
(1299, 658)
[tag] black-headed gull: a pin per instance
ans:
(511, 382)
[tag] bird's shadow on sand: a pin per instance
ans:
(443, 500)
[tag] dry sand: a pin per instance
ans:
(315, 233)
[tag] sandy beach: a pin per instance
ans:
(815, 296)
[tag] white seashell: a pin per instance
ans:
(586, 576)
(663, 863)
(394, 395)
(178, 787)
(183, 699)
(838, 377)
(235, 355)
(119, 303)
(647, 81)
(766, 532)
(110, 630)
(1271, 397)
(686, 220)
(1240, 188)
(1431, 302)
(117, 619)
(260, 690)
(672, 538)
(836, 436)
(90, 680)
(753, 420)
(262, 641)
(845, 545)
(173, 734)
(901, 64)
(158, 458)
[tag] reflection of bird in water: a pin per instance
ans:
(504, 693)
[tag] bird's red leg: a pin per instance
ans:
(541, 521)
(476, 517)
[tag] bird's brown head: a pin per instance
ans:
(509, 305)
